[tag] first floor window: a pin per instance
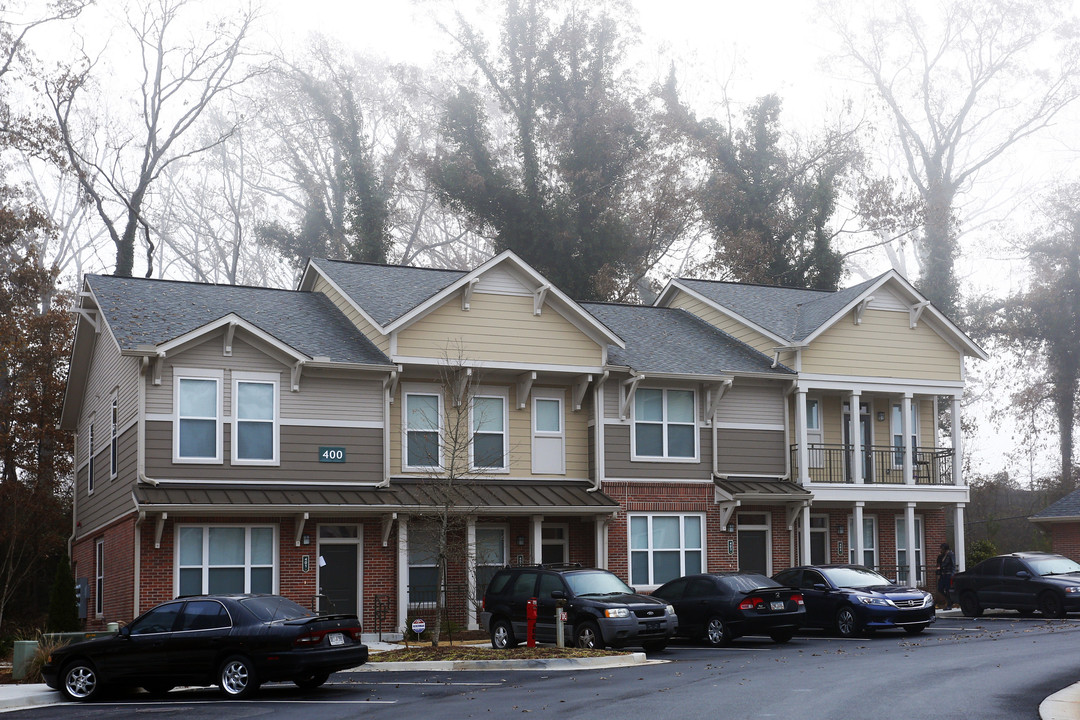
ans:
(664, 424)
(664, 547)
(225, 559)
(902, 546)
(490, 555)
(869, 542)
(99, 577)
(423, 566)
(422, 419)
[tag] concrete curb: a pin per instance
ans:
(555, 664)
(1062, 705)
(18, 696)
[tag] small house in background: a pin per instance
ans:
(1062, 521)
(239, 439)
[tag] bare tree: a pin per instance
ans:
(181, 76)
(961, 88)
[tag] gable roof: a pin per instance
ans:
(672, 341)
(795, 316)
(142, 312)
(1065, 509)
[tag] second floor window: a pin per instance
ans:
(664, 424)
(489, 432)
(256, 420)
(422, 414)
(198, 409)
(114, 434)
(90, 467)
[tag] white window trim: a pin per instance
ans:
(114, 434)
(90, 460)
(826, 531)
(506, 544)
(877, 542)
(815, 434)
(198, 374)
(740, 524)
(420, 389)
(273, 379)
(630, 549)
(99, 577)
(894, 430)
(409, 565)
(549, 394)
(205, 566)
(634, 457)
(564, 543)
(920, 536)
(499, 394)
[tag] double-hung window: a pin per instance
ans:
(423, 419)
(664, 547)
(99, 577)
(902, 546)
(197, 436)
(665, 425)
(423, 564)
(490, 555)
(549, 440)
(113, 433)
(898, 432)
(489, 440)
(225, 559)
(255, 422)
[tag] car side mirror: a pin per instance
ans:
(558, 595)
(1023, 574)
(125, 632)
(821, 586)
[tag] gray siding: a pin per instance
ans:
(299, 462)
(750, 452)
(112, 497)
(109, 371)
(754, 402)
(617, 461)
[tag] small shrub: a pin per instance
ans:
(37, 662)
(979, 551)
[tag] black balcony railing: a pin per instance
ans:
(882, 465)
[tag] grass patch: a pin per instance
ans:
(474, 652)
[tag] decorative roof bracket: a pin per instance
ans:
(466, 293)
(857, 314)
(387, 523)
(301, 518)
(159, 526)
(629, 387)
(297, 370)
(524, 387)
(915, 312)
(539, 297)
(230, 331)
(581, 385)
(716, 391)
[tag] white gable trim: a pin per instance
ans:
(664, 300)
(227, 320)
(565, 306)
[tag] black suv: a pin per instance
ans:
(600, 608)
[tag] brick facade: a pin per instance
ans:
(1065, 539)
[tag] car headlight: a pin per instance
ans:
(670, 609)
(1074, 590)
(617, 613)
(928, 600)
(883, 602)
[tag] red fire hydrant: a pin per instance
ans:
(530, 617)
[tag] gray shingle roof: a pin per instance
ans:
(790, 313)
(671, 340)
(150, 312)
(386, 292)
(1066, 507)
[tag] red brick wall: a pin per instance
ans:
(1065, 539)
(119, 550)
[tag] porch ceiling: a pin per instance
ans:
(485, 497)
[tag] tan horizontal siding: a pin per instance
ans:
(381, 341)
(751, 452)
(617, 461)
(498, 328)
(883, 346)
(719, 320)
(299, 448)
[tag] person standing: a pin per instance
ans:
(946, 568)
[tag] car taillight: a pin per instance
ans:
(356, 632)
(798, 598)
(750, 603)
(310, 639)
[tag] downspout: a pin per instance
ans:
(598, 434)
(74, 500)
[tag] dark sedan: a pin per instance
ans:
(720, 607)
(852, 599)
(1024, 581)
(235, 641)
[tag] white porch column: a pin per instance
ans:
(536, 523)
(905, 430)
(856, 539)
(600, 533)
(909, 531)
(470, 573)
(804, 536)
(959, 549)
(803, 460)
(958, 455)
(403, 573)
(855, 428)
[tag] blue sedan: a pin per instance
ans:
(852, 600)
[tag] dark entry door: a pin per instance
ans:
(339, 579)
(753, 551)
(865, 448)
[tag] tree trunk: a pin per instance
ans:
(938, 253)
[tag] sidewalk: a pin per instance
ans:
(17, 696)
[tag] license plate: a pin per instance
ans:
(652, 627)
(336, 639)
(776, 605)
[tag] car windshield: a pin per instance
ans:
(272, 607)
(596, 583)
(1053, 565)
(853, 577)
(746, 583)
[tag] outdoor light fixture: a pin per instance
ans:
(881, 416)
(305, 539)
(521, 539)
(731, 527)
(839, 529)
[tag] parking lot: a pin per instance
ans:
(999, 666)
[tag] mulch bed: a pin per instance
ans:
(419, 653)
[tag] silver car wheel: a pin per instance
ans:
(80, 681)
(235, 677)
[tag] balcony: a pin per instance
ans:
(882, 465)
